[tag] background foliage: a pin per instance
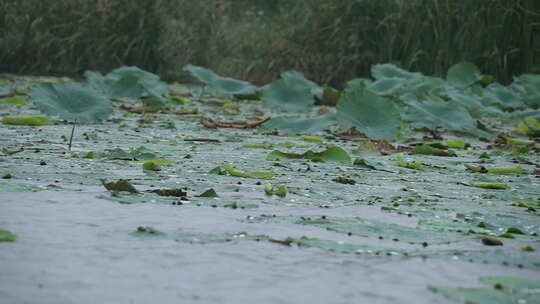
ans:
(329, 41)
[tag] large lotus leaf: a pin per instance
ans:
(376, 116)
(386, 86)
(222, 86)
(295, 124)
(203, 75)
(447, 115)
(287, 96)
(473, 104)
(388, 70)
(463, 74)
(530, 85)
(128, 82)
(71, 101)
(427, 85)
(297, 79)
(496, 94)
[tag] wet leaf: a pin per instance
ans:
(18, 101)
(209, 193)
(331, 154)
(7, 236)
(486, 185)
(27, 120)
(229, 169)
(120, 185)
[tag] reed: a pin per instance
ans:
(330, 41)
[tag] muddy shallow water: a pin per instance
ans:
(74, 248)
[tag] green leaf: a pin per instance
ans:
(128, 82)
(71, 101)
(409, 165)
(386, 86)
(27, 120)
(463, 74)
(208, 193)
(287, 96)
(331, 154)
(530, 87)
(373, 115)
(222, 86)
(255, 174)
(297, 124)
(388, 70)
(18, 101)
(447, 115)
(7, 236)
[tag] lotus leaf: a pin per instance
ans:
(71, 101)
(296, 124)
(222, 86)
(463, 74)
(376, 116)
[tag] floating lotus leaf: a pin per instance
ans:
(71, 101)
(376, 116)
(296, 124)
(222, 86)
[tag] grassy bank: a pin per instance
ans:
(330, 41)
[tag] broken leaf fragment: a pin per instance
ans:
(151, 166)
(409, 165)
(27, 120)
(17, 101)
(175, 192)
(229, 169)
(7, 236)
(429, 150)
(208, 193)
(331, 154)
(279, 190)
(491, 241)
(505, 170)
(487, 185)
(120, 185)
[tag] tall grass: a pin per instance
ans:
(330, 41)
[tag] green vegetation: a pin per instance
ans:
(330, 42)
